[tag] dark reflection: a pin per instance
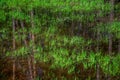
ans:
(39, 73)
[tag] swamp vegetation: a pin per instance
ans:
(59, 39)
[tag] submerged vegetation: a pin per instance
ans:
(59, 40)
